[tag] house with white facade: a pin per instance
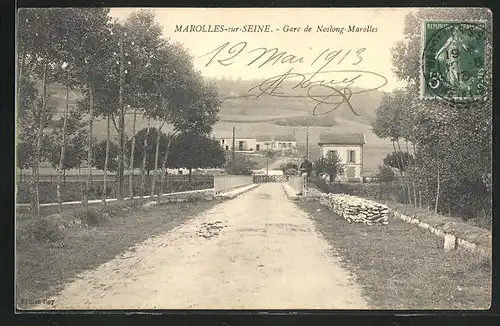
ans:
(349, 148)
(248, 145)
(255, 144)
(277, 143)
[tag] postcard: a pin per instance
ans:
(253, 158)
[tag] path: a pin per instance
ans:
(257, 251)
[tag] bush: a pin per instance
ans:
(92, 217)
(385, 173)
(241, 166)
(46, 229)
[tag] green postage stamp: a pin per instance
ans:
(453, 60)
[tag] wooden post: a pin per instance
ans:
(234, 140)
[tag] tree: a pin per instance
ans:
(289, 168)
(241, 165)
(99, 159)
(332, 165)
(141, 138)
(385, 173)
(39, 58)
(399, 160)
(87, 47)
(192, 150)
(452, 141)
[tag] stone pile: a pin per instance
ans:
(355, 209)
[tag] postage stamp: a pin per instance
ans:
(453, 60)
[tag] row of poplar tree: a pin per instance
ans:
(118, 68)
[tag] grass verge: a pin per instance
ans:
(400, 266)
(44, 266)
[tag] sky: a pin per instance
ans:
(304, 52)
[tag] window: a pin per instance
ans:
(223, 141)
(352, 156)
(331, 154)
(258, 147)
(227, 148)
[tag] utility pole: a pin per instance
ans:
(307, 142)
(267, 158)
(234, 140)
(121, 123)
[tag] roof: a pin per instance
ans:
(277, 138)
(263, 138)
(348, 138)
(236, 138)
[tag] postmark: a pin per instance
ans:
(453, 61)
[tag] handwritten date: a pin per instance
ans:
(328, 88)
(226, 55)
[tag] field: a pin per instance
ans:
(401, 266)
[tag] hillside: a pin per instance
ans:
(268, 115)
(250, 107)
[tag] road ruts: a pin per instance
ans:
(257, 251)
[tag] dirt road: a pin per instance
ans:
(257, 251)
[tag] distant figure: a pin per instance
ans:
(305, 169)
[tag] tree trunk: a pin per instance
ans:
(131, 165)
(38, 148)
(63, 150)
(400, 171)
(121, 123)
(80, 179)
(415, 194)
(414, 202)
(404, 174)
(438, 180)
(395, 153)
(105, 185)
(164, 167)
(89, 147)
(157, 154)
(144, 155)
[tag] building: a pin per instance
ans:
(248, 145)
(349, 148)
(277, 143)
(256, 144)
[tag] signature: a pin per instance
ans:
(325, 92)
(327, 88)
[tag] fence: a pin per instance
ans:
(227, 182)
(72, 191)
(269, 178)
(98, 177)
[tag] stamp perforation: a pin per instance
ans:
(423, 45)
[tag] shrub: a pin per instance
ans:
(241, 166)
(92, 217)
(385, 173)
(46, 229)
